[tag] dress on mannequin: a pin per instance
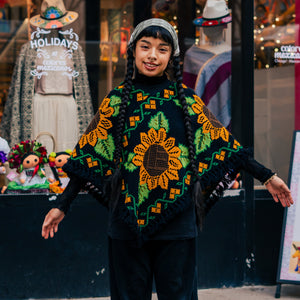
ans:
(55, 103)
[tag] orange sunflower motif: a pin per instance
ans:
(99, 126)
(157, 159)
(209, 122)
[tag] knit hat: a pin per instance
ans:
(53, 15)
(215, 13)
(156, 22)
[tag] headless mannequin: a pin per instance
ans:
(212, 43)
(214, 40)
(207, 70)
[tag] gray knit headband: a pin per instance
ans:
(156, 22)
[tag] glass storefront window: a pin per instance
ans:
(47, 81)
(116, 26)
(274, 82)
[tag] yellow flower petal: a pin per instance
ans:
(163, 181)
(152, 182)
(169, 143)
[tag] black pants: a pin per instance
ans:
(171, 263)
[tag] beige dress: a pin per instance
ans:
(54, 107)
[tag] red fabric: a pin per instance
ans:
(297, 69)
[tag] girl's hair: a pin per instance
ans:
(156, 32)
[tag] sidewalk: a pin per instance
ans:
(288, 292)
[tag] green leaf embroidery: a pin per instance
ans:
(106, 148)
(129, 166)
(189, 101)
(143, 193)
(114, 102)
(184, 155)
(202, 141)
(159, 121)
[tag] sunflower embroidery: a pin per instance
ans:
(209, 122)
(99, 126)
(157, 158)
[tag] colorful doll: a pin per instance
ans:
(3, 159)
(60, 179)
(28, 158)
(297, 255)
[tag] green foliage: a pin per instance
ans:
(114, 102)
(106, 147)
(184, 155)
(129, 166)
(159, 121)
(143, 193)
(202, 141)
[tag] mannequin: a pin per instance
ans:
(207, 67)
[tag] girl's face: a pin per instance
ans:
(152, 56)
(30, 161)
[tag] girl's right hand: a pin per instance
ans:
(50, 225)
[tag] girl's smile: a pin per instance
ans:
(152, 56)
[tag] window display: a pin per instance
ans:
(276, 57)
(49, 90)
(45, 87)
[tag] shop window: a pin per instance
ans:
(45, 100)
(116, 26)
(51, 77)
(275, 60)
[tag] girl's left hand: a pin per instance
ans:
(280, 191)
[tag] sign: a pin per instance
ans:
(289, 260)
(55, 52)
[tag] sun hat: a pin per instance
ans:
(215, 13)
(156, 22)
(53, 15)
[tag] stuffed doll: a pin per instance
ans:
(297, 255)
(4, 150)
(28, 158)
(60, 179)
(3, 159)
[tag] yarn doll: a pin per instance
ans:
(3, 159)
(4, 150)
(297, 255)
(28, 158)
(60, 179)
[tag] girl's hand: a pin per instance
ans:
(50, 225)
(279, 191)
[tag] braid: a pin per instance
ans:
(198, 199)
(113, 186)
(122, 112)
(187, 121)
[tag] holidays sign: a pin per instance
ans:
(54, 53)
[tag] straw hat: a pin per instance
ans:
(215, 13)
(53, 15)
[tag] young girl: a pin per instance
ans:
(158, 159)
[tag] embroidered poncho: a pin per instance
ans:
(156, 178)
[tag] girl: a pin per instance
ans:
(158, 159)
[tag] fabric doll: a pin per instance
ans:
(60, 179)
(4, 150)
(28, 159)
(3, 159)
(297, 255)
